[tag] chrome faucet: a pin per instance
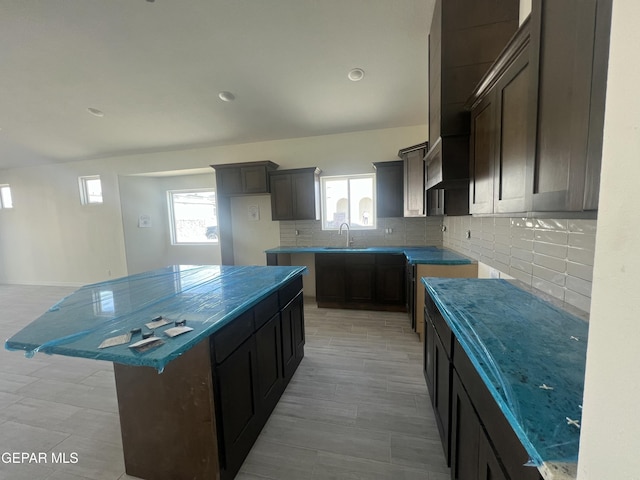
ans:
(344, 224)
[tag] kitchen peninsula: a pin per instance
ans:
(193, 404)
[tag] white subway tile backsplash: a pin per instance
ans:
(553, 255)
(581, 255)
(557, 264)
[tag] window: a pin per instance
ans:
(350, 199)
(90, 190)
(194, 216)
(5, 197)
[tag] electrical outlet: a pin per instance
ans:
(468, 234)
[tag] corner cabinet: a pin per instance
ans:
(295, 194)
(389, 189)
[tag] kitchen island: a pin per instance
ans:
(192, 405)
(505, 369)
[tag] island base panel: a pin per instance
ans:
(168, 420)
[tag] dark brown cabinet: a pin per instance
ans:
(295, 194)
(571, 43)
(473, 457)
(465, 38)
(389, 189)
(502, 132)
(413, 171)
(478, 441)
(237, 412)
(243, 178)
(255, 357)
(537, 115)
(438, 370)
(361, 281)
(293, 337)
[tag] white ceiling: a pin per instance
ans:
(155, 70)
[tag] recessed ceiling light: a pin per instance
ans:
(226, 96)
(355, 74)
(95, 112)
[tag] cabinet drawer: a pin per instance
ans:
(360, 259)
(444, 332)
(266, 309)
(289, 291)
(232, 336)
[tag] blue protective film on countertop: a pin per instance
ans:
(531, 355)
(415, 255)
(208, 297)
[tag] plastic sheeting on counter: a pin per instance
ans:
(207, 297)
(530, 354)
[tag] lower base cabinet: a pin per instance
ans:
(472, 455)
(368, 281)
(478, 442)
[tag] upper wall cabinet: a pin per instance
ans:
(295, 194)
(537, 115)
(570, 43)
(502, 131)
(243, 178)
(389, 189)
(466, 37)
(413, 173)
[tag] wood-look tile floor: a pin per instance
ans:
(357, 407)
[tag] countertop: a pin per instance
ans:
(208, 297)
(531, 355)
(415, 255)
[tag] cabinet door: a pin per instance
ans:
(390, 279)
(254, 179)
(228, 181)
(442, 393)
(360, 277)
(465, 435)
(489, 467)
(481, 163)
(293, 337)
(429, 355)
(305, 196)
(435, 202)
(564, 35)
(389, 189)
(269, 364)
(515, 107)
(281, 197)
(330, 277)
(237, 405)
(414, 199)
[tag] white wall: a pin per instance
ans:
(48, 238)
(252, 236)
(610, 438)
(150, 248)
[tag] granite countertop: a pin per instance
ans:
(208, 297)
(531, 355)
(415, 255)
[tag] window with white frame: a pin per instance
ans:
(193, 215)
(90, 189)
(349, 199)
(5, 197)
